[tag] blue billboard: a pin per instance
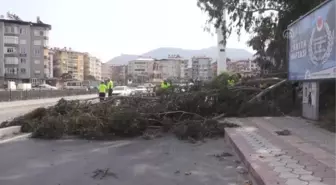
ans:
(311, 45)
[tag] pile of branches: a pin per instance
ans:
(189, 114)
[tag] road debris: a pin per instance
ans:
(241, 170)
(284, 132)
(187, 173)
(102, 173)
(191, 114)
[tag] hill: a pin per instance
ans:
(232, 53)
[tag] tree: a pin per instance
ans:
(67, 76)
(13, 16)
(266, 20)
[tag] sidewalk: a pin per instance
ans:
(12, 104)
(304, 157)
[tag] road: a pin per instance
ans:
(9, 110)
(163, 161)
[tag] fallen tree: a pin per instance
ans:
(192, 114)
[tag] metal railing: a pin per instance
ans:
(13, 95)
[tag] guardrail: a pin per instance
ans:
(9, 95)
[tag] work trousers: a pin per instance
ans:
(110, 92)
(102, 96)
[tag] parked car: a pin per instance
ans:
(141, 89)
(75, 85)
(45, 87)
(122, 91)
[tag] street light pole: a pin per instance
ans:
(221, 62)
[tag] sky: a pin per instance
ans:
(108, 28)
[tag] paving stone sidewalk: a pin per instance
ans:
(304, 157)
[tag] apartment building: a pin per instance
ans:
(119, 74)
(22, 50)
(214, 69)
(244, 67)
(48, 63)
(156, 70)
(172, 68)
(201, 68)
(69, 61)
(92, 67)
(106, 71)
(141, 69)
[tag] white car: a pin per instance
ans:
(141, 89)
(122, 91)
(47, 87)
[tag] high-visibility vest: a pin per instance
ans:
(102, 88)
(164, 86)
(231, 82)
(110, 84)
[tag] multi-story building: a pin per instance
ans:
(106, 71)
(141, 69)
(67, 61)
(188, 73)
(48, 63)
(172, 68)
(98, 69)
(201, 68)
(21, 50)
(92, 67)
(153, 70)
(243, 67)
(214, 69)
(119, 74)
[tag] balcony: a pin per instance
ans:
(11, 33)
(11, 44)
(11, 55)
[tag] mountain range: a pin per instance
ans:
(160, 53)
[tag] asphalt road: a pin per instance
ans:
(164, 161)
(10, 110)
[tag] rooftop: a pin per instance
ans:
(25, 23)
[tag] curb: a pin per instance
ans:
(9, 131)
(13, 133)
(10, 105)
(251, 171)
(16, 138)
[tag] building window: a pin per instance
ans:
(11, 71)
(37, 52)
(23, 50)
(37, 72)
(23, 60)
(10, 50)
(45, 43)
(7, 29)
(23, 31)
(11, 60)
(38, 32)
(23, 42)
(23, 70)
(11, 29)
(37, 42)
(37, 62)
